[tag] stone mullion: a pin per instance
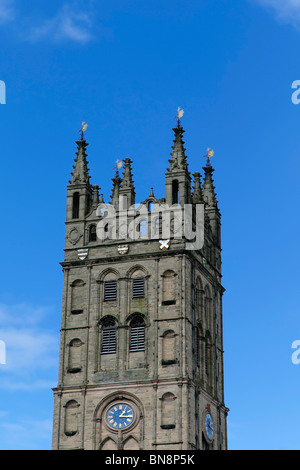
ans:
(122, 313)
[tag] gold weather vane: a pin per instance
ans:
(84, 127)
(180, 113)
(210, 153)
(119, 165)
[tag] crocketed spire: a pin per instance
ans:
(81, 172)
(127, 181)
(115, 191)
(209, 194)
(178, 157)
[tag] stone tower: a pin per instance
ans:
(141, 352)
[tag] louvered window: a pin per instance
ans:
(93, 233)
(110, 290)
(138, 288)
(109, 338)
(137, 335)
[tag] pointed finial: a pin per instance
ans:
(95, 195)
(81, 131)
(210, 153)
(180, 113)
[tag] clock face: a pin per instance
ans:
(209, 426)
(120, 416)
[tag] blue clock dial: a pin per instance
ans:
(120, 416)
(209, 426)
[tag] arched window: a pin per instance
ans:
(206, 308)
(131, 444)
(75, 355)
(109, 444)
(92, 233)
(143, 229)
(198, 298)
(110, 290)
(169, 348)
(137, 334)
(156, 227)
(75, 213)
(138, 287)
(168, 414)
(77, 296)
(71, 418)
(175, 192)
(109, 336)
(169, 288)
(207, 355)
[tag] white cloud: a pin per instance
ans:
(287, 11)
(68, 24)
(31, 349)
(6, 10)
(27, 433)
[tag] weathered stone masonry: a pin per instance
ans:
(141, 329)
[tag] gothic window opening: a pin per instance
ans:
(156, 227)
(131, 444)
(207, 355)
(110, 291)
(169, 348)
(75, 356)
(77, 296)
(124, 202)
(75, 214)
(169, 288)
(109, 337)
(137, 334)
(175, 192)
(71, 418)
(93, 233)
(207, 308)
(138, 288)
(168, 417)
(142, 228)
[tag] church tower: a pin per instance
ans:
(141, 351)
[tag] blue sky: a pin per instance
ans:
(124, 67)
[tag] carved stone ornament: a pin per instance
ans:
(82, 254)
(123, 249)
(74, 236)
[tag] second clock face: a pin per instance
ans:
(209, 426)
(120, 416)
